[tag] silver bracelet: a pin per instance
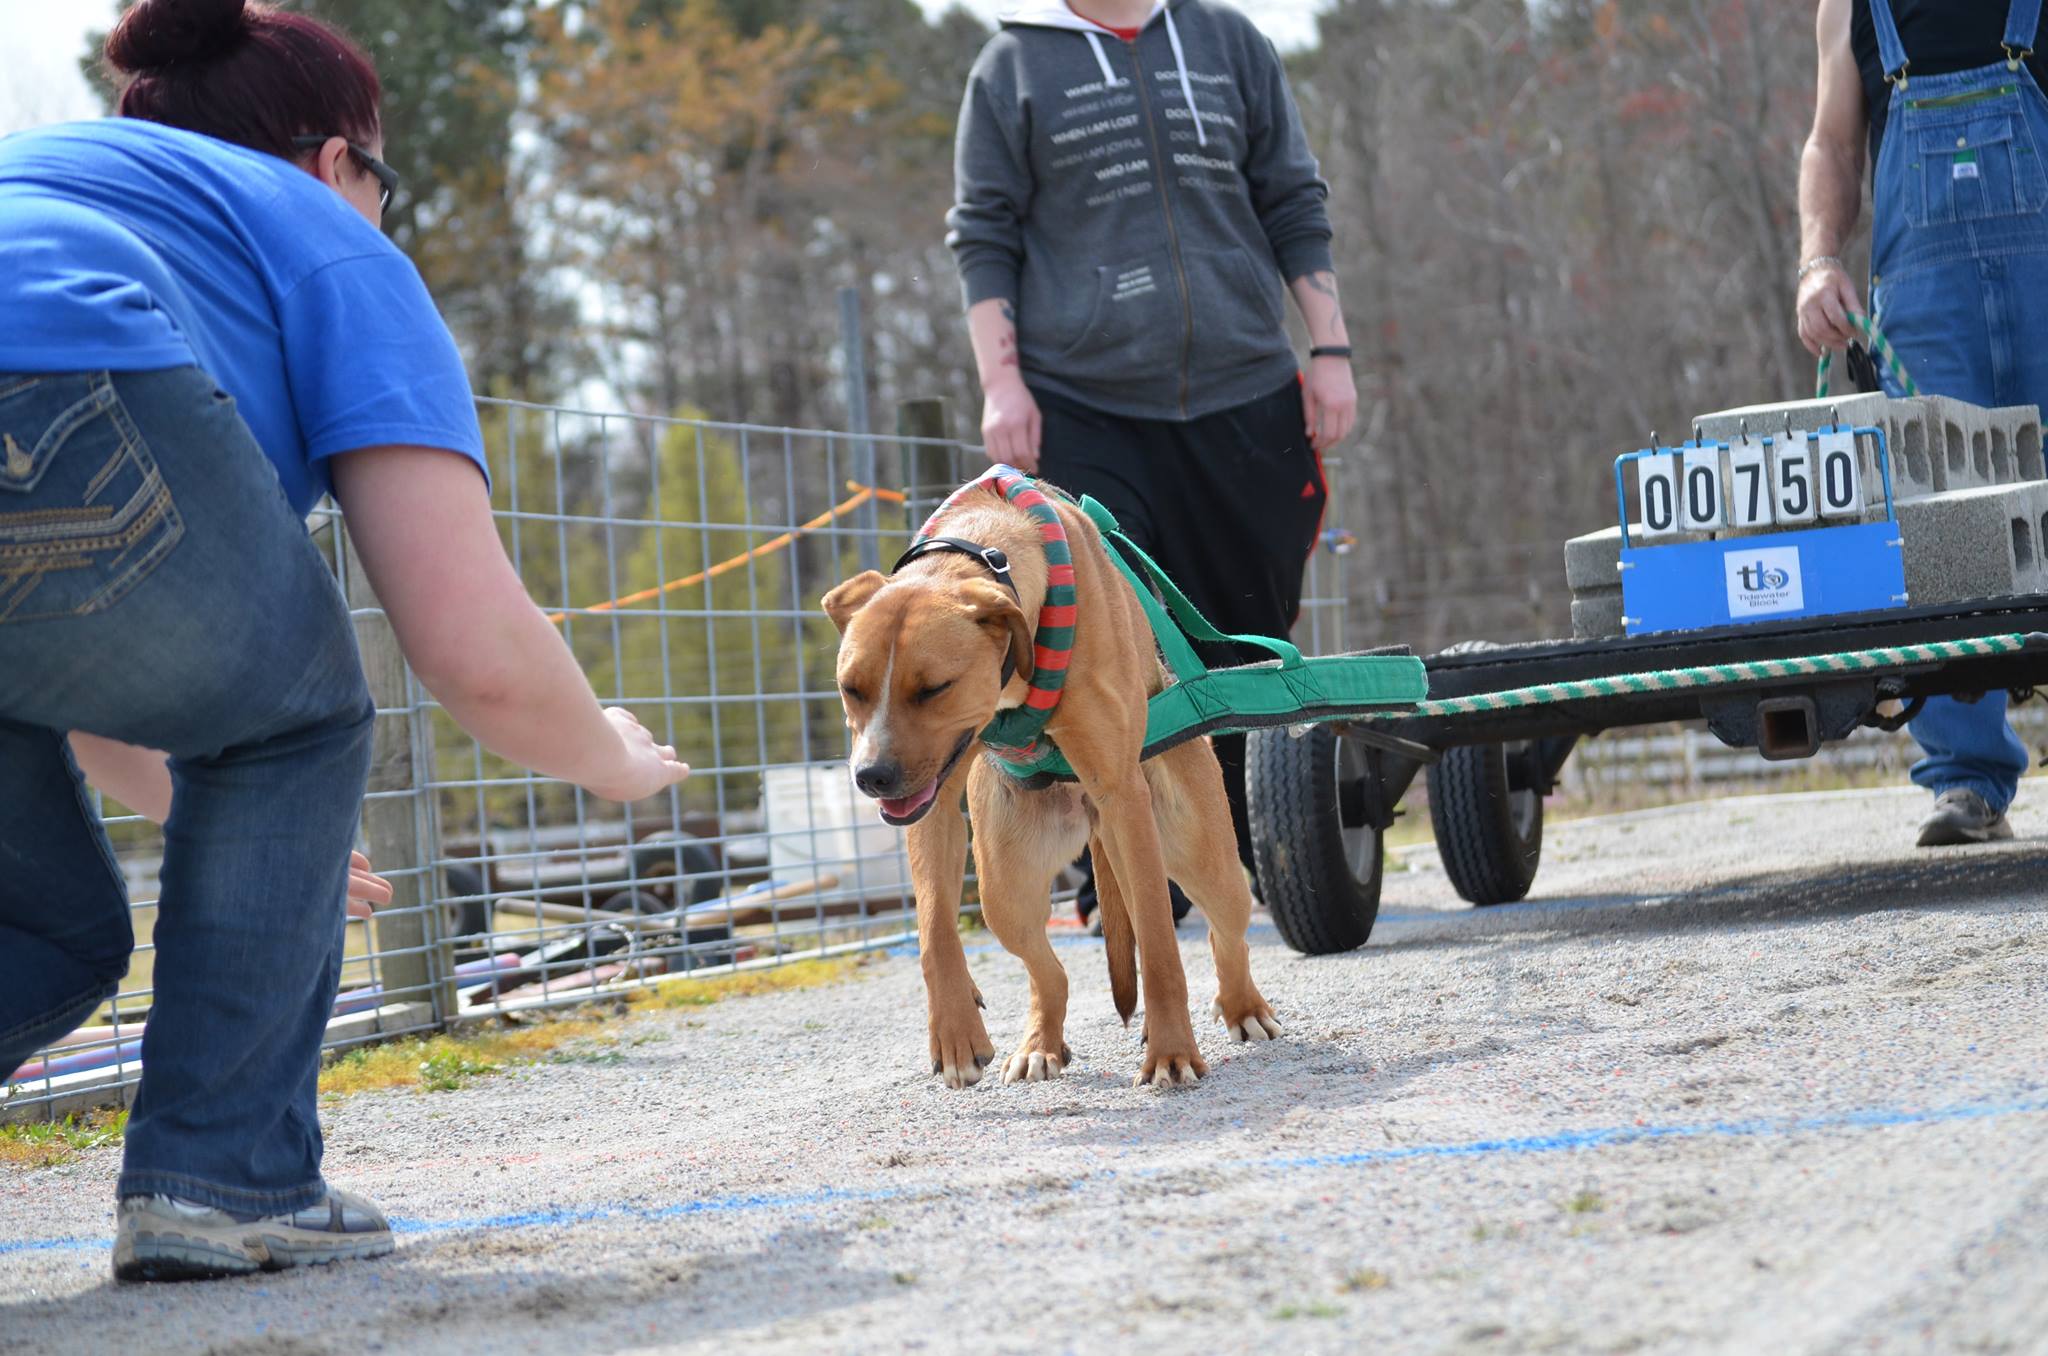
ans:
(1817, 261)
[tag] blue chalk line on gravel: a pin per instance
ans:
(1604, 1137)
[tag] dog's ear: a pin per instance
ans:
(991, 605)
(850, 597)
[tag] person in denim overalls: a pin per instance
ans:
(1959, 248)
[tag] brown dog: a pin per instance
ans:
(921, 672)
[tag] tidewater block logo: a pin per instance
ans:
(1765, 581)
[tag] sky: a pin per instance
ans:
(42, 40)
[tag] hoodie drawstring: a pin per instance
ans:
(1187, 89)
(1102, 60)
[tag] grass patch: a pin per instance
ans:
(1585, 1203)
(1316, 1310)
(698, 993)
(447, 1062)
(1367, 1278)
(46, 1144)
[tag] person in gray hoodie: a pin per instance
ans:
(1133, 198)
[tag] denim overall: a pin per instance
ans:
(1958, 275)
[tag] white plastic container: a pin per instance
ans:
(817, 824)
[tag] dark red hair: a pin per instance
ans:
(243, 72)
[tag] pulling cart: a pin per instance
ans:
(1766, 596)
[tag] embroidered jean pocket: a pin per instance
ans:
(84, 512)
(1970, 169)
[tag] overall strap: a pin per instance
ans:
(1891, 53)
(2022, 20)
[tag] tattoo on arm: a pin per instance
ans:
(1326, 283)
(1010, 313)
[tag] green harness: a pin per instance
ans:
(1288, 689)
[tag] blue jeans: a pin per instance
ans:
(1959, 267)
(155, 587)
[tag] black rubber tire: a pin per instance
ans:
(660, 856)
(1489, 836)
(1319, 863)
(468, 917)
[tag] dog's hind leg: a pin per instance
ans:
(937, 846)
(1201, 853)
(1021, 839)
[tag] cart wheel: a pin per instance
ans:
(470, 917)
(1488, 835)
(1318, 859)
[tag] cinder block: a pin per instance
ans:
(1592, 561)
(1984, 542)
(1596, 614)
(1908, 436)
(2018, 429)
(1962, 434)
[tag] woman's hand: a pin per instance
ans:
(1010, 425)
(366, 890)
(643, 767)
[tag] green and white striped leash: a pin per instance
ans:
(1879, 345)
(1710, 675)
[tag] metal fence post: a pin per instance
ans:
(928, 470)
(412, 967)
(853, 347)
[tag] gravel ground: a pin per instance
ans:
(1749, 1076)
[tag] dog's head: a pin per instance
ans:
(920, 673)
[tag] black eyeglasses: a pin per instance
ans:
(386, 177)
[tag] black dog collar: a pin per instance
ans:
(992, 558)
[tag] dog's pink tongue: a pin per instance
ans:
(909, 805)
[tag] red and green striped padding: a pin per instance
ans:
(1013, 736)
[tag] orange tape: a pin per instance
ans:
(862, 494)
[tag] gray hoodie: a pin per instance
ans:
(1139, 203)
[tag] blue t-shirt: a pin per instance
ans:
(129, 246)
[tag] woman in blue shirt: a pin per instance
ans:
(204, 330)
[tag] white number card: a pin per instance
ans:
(1792, 493)
(1749, 484)
(1657, 485)
(1699, 493)
(1841, 488)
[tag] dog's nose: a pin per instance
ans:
(880, 780)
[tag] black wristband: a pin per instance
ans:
(1330, 351)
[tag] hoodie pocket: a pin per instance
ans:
(1134, 324)
(1238, 300)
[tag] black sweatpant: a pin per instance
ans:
(1229, 504)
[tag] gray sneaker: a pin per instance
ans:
(161, 1238)
(1962, 817)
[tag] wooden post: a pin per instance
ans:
(928, 470)
(423, 971)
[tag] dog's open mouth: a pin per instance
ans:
(907, 810)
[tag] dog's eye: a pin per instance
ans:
(925, 694)
(852, 693)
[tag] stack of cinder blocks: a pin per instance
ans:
(1969, 485)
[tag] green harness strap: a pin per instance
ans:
(1285, 690)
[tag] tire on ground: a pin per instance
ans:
(1318, 861)
(1489, 836)
(469, 913)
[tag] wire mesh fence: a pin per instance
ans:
(683, 559)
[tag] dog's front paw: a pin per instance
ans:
(961, 1049)
(1255, 1023)
(1171, 1059)
(1032, 1064)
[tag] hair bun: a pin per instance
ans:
(158, 33)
